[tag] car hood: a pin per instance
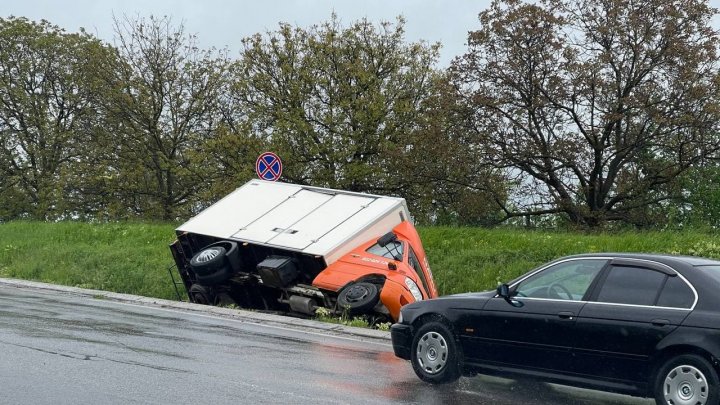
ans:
(483, 294)
(475, 300)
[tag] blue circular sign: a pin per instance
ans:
(268, 166)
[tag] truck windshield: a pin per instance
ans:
(393, 250)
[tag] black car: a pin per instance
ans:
(645, 325)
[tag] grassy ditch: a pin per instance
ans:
(133, 257)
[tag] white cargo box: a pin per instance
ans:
(317, 221)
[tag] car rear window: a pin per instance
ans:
(676, 294)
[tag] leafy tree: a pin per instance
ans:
(164, 106)
(232, 154)
(337, 103)
(702, 186)
(595, 107)
(47, 115)
(442, 170)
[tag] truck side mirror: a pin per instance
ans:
(387, 239)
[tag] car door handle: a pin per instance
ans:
(566, 315)
(660, 322)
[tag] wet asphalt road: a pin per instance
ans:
(59, 349)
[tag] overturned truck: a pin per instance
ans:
(292, 248)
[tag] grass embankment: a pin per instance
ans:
(474, 259)
(133, 257)
(127, 257)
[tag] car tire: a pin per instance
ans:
(201, 294)
(358, 298)
(686, 379)
(435, 354)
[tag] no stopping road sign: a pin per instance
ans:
(268, 166)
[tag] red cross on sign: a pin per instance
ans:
(268, 166)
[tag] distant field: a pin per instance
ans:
(133, 257)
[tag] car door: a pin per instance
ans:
(635, 305)
(534, 330)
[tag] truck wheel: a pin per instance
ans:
(434, 354)
(687, 379)
(208, 260)
(359, 298)
(211, 265)
(201, 294)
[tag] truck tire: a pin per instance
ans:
(208, 260)
(358, 298)
(212, 265)
(201, 294)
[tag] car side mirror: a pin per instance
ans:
(387, 239)
(503, 291)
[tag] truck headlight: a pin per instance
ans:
(414, 289)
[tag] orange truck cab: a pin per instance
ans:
(291, 248)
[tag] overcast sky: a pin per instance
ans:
(224, 23)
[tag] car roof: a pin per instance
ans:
(661, 258)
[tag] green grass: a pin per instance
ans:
(473, 259)
(121, 257)
(133, 257)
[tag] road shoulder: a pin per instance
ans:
(230, 313)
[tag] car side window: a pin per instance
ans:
(631, 285)
(565, 281)
(676, 294)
